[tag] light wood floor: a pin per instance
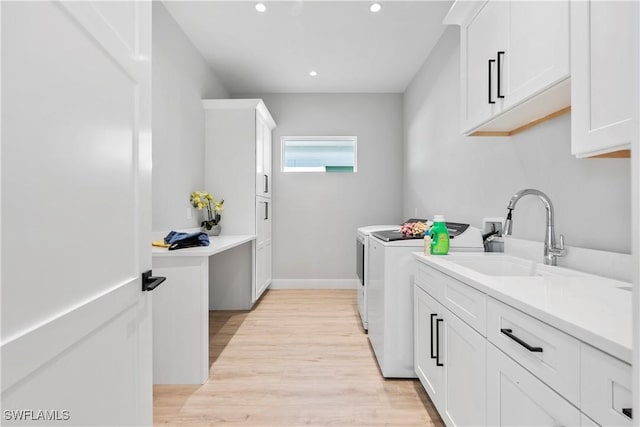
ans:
(299, 358)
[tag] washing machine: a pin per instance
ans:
(362, 264)
(390, 293)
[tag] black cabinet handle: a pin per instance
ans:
(438, 343)
(500, 54)
(266, 183)
(509, 333)
(491, 61)
(149, 282)
(433, 356)
(266, 210)
(628, 412)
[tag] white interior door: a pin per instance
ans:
(76, 170)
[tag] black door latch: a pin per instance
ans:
(149, 282)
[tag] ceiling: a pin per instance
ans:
(352, 49)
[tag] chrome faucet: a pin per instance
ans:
(551, 251)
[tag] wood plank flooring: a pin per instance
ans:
(300, 358)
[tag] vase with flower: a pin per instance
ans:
(202, 200)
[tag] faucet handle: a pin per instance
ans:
(559, 250)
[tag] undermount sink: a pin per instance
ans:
(506, 265)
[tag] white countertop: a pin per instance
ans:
(217, 244)
(588, 307)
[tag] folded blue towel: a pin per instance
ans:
(179, 240)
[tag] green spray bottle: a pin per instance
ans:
(439, 236)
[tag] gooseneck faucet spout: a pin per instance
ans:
(551, 251)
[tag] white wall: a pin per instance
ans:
(181, 78)
(316, 215)
(468, 178)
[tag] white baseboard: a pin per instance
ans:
(314, 284)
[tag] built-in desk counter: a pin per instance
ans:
(217, 244)
(181, 304)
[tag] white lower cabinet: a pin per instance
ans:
(425, 311)
(465, 376)
(605, 384)
(546, 352)
(483, 362)
(263, 247)
(450, 362)
(517, 398)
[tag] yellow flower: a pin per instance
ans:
(202, 199)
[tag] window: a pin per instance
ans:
(319, 154)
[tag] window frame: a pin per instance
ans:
(284, 139)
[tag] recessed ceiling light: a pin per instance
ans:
(313, 73)
(260, 7)
(375, 7)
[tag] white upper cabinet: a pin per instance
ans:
(604, 49)
(538, 53)
(237, 158)
(485, 35)
(514, 63)
(263, 153)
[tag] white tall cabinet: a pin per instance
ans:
(238, 170)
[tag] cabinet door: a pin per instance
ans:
(260, 168)
(605, 388)
(266, 160)
(426, 311)
(537, 56)
(268, 247)
(482, 38)
(464, 360)
(516, 398)
(260, 248)
(603, 52)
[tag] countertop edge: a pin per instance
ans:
(217, 244)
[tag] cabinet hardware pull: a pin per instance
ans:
(500, 95)
(438, 343)
(266, 211)
(628, 412)
(149, 282)
(266, 183)
(433, 356)
(491, 61)
(509, 333)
